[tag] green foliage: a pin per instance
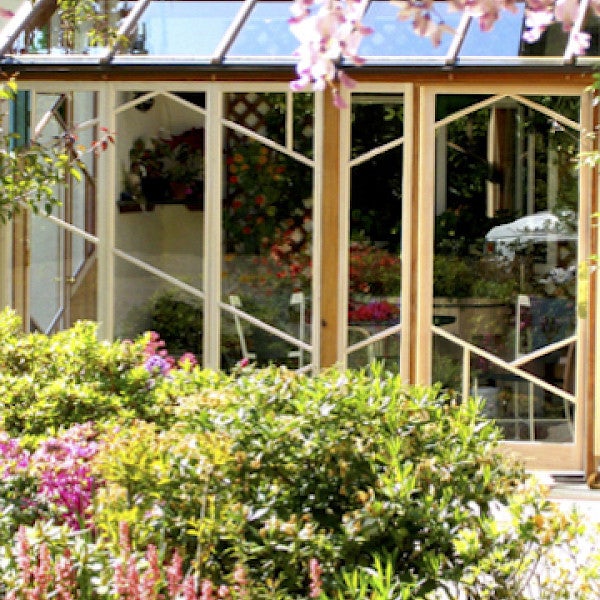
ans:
(178, 320)
(29, 172)
(344, 465)
(393, 491)
(49, 382)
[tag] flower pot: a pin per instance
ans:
(179, 190)
(155, 189)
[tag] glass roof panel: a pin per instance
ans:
(392, 37)
(266, 32)
(185, 28)
(504, 39)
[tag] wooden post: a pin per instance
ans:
(330, 239)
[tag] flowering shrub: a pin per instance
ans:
(374, 270)
(373, 311)
(270, 484)
(63, 466)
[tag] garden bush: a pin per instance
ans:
(126, 475)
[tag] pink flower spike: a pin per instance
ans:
(189, 593)
(206, 590)
(315, 571)
(175, 574)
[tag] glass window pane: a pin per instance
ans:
(160, 216)
(266, 32)
(188, 28)
(504, 39)
(393, 37)
(505, 263)
(267, 233)
(374, 295)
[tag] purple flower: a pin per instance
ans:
(157, 364)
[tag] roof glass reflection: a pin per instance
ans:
(185, 28)
(392, 37)
(266, 33)
(504, 39)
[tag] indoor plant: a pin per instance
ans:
(169, 169)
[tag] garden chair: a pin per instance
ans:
(236, 302)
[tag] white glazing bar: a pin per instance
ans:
(466, 373)
(458, 39)
(106, 185)
(492, 358)
(211, 339)
(232, 31)
(289, 120)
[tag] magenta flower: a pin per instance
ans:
(63, 465)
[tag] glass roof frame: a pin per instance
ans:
(223, 53)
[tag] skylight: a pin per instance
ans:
(251, 32)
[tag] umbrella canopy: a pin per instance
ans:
(538, 227)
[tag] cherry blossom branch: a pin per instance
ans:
(330, 31)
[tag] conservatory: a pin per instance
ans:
(441, 224)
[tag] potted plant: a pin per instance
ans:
(169, 169)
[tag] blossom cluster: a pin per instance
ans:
(157, 359)
(133, 577)
(61, 470)
(378, 311)
(332, 30)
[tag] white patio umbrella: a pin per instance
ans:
(538, 227)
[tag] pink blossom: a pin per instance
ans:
(23, 559)
(65, 576)
(41, 573)
(152, 575)
(189, 591)
(206, 590)
(316, 585)
(328, 32)
(175, 574)
(241, 582)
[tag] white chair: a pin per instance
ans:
(235, 301)
(297, 299)
(523, 302)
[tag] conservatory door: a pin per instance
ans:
(61, 266)
(506, 248)
(376, 146)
